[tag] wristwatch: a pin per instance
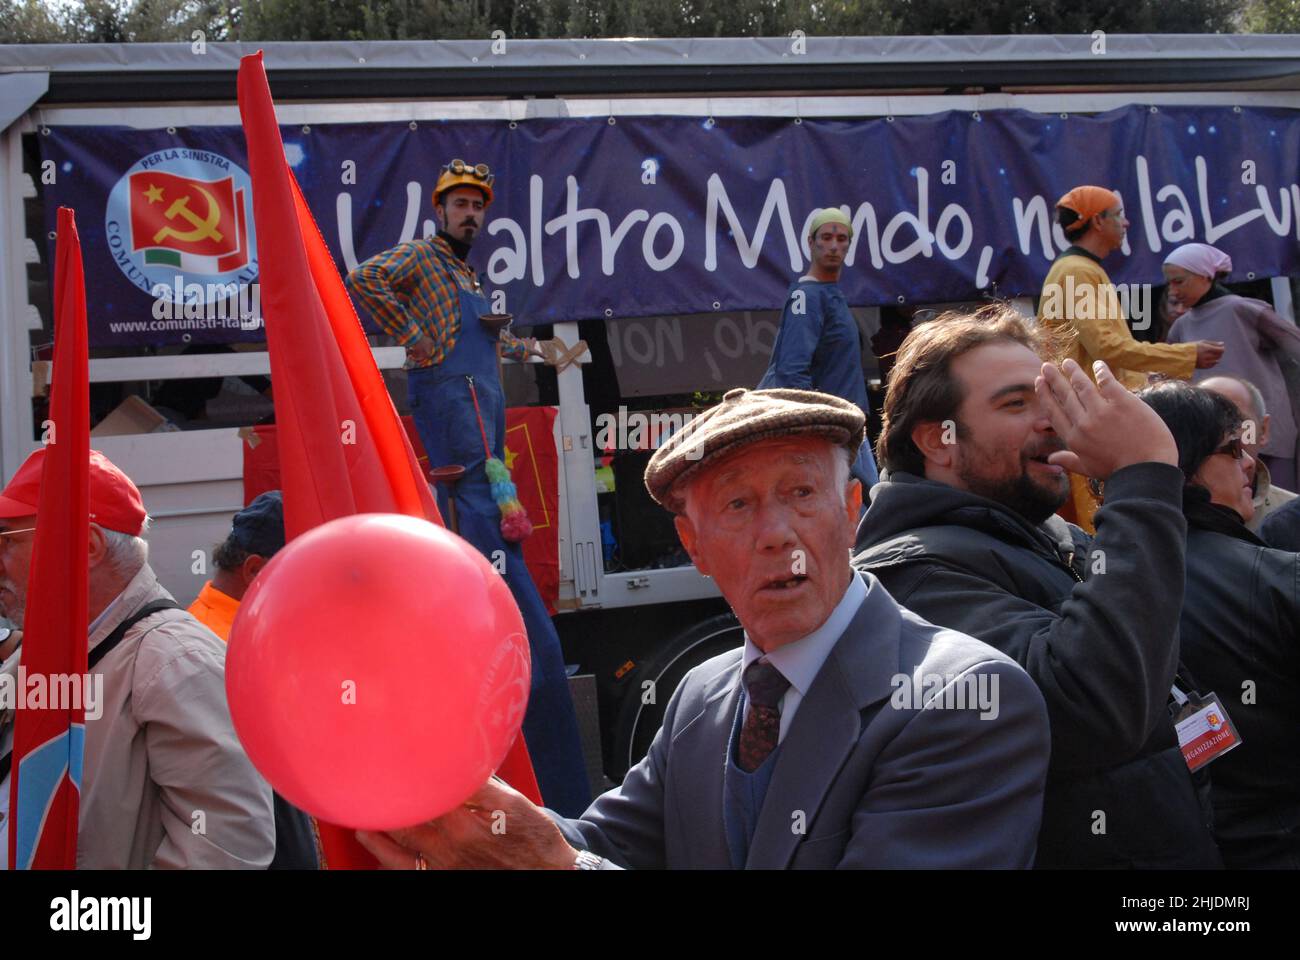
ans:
(587, 860)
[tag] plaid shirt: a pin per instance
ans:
(413, 291)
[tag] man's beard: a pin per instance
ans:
(1019, 494)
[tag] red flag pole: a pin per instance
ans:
(44, 789)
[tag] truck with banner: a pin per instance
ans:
(652, 200)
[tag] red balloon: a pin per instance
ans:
(378, 671)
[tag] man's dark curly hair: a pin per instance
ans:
(229, 556)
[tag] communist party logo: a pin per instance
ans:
(196, 225)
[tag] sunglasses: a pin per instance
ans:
(1232, 448)
(479, 171)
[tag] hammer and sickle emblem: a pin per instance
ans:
(205, 228)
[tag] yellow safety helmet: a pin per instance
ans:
(458, 173)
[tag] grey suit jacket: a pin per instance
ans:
(864, 778)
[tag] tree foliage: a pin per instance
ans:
(1069, 16)
(105, 21)
(1274, 16)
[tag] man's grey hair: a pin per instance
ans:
(841, 464)
(125, 554)
(1256, 398)
(843, 467)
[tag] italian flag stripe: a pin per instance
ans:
(183, 261)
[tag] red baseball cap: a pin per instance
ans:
(115, 502)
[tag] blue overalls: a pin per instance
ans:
(443, 409)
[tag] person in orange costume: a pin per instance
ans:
(1080, 307)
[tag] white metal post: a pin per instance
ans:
(1282, 302)
(581, 558)
(15, 312)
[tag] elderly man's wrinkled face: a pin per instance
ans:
(15, 565)
(773, 526)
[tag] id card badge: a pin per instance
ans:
(1205, 732)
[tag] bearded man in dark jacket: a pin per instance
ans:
(977, 440)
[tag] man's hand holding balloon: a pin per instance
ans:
(498, 828)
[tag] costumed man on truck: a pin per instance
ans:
(425, 294)
(1081, 307)
(818, 346)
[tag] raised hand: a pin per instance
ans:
(1104, 426)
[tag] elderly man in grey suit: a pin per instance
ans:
(847, 732)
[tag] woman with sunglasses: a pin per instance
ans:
(1239, 631)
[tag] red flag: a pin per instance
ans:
(181, 215)
(534, 467)
(44, 789)
(341, 447)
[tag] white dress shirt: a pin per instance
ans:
(801, 661)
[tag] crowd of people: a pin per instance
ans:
(1057, 629)
(1159, 630)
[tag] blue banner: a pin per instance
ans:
(654, 216)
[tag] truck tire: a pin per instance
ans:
(639, 720)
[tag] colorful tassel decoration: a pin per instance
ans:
(515, 525)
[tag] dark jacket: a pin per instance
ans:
(1281, 529)
(1094, 622)
(1241, 639)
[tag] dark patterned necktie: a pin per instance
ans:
(762, 727)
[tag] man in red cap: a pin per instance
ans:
(165, 782)
(1080, 306)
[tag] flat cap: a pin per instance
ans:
(748, 416)
(259, 527)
